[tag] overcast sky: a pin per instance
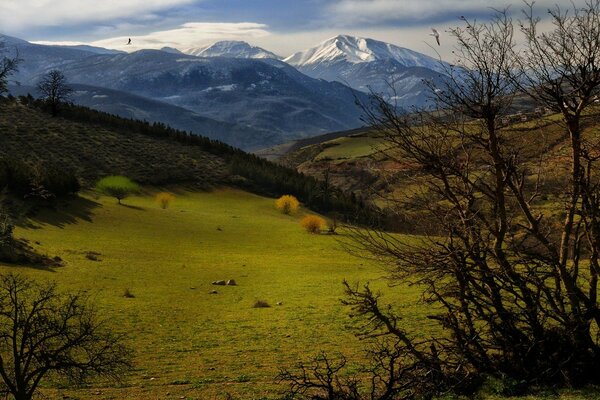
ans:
(281, 26)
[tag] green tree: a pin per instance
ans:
(118, 187)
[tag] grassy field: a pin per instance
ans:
(188, 342)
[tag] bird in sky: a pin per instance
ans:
(129, 42)
(435, 34)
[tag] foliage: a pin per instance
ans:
(164, 199)
(313, 223)
(287, 204)
(117, 186)
(6, 233)
(54, 90)
(37, 180)
(46, 333)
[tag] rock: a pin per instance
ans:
(192, 288)
(219, 283)
(279, 303)
(231, 282)
(213, 292)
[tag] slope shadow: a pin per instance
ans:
(68, 212)
(23, 255)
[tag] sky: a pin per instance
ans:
(281, 26)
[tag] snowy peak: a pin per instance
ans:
(356, 50)
(231, 49)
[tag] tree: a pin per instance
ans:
(313, 223)
(164, 199)
(118, 187)
(287, 204)
(44, 333)
(8, 65)
(6, 234)
(54, 90)
(513, 277)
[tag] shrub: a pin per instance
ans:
(37, 180)
(287, 204)
(6, 232)
(313, 223)
(261, 304)
(118, 187)
(164, 199)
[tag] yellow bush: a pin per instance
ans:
(164, 199)
(287, 204)
(313, 223)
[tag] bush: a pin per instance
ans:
(118, 187)
(37, 180)
(287, 204)
(164, 199)
(261, 304)
(313, 223)
(6, 233)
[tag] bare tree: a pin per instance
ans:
(8, 65)
(54, 90)
(504, 268)
(44, 333)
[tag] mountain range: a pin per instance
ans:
(235, 92)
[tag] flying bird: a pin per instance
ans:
(128, 43)
(435, 34)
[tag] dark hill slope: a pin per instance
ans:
(91, 150)
(91, 144)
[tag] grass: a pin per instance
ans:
(351, 147)
(169, 258)
(190, 343)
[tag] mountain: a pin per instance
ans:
(233, 49)
(367, 64)
(264, 95)
(130, 106)
(269, 99)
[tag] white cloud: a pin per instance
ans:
(21, 14)
(191, 34)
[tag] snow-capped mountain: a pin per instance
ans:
(367, 64)
(231, 49)
(356, 50)
(264, 101)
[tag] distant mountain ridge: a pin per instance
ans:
(231, 48)
(356, 50)
(263, 101)
(371, 65)
(307, 94)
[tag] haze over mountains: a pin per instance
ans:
(235, 92)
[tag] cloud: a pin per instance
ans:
(191, 34)
(21, 14)
(419, 11)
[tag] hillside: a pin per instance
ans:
(355, 161)
(92, 150)
(130, 106)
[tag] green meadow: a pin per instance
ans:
(187, 341)
(190, 343)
